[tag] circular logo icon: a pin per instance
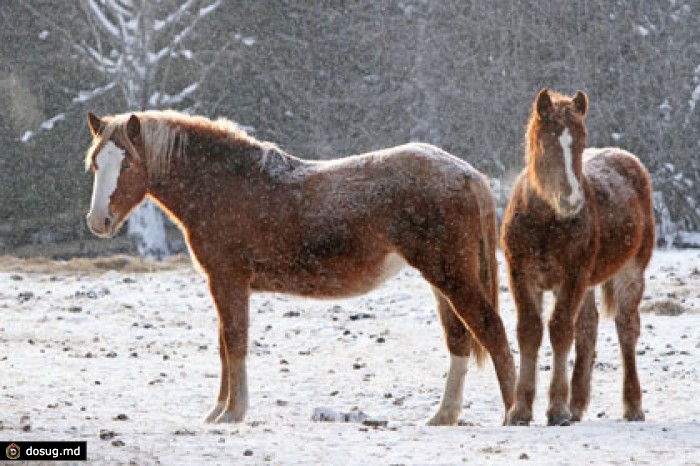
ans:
(12, 451)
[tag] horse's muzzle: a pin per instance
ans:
(569, 207)
(101, 225)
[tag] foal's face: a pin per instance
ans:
(562, 138)
(120, 174)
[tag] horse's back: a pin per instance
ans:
(397, 178)
(622, 191)
(433, 177)
(407, 196)
(619, 180)
(412, 159)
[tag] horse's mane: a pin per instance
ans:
(166, 134)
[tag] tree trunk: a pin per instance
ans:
(146, 228)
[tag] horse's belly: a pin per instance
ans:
(337, 279)
(392, 264)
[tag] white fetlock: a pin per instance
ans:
(231, 417)
(215, 413)
(445, 417)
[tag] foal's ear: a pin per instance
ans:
(133, 127)
(581, 103)
(95, 123)
(543, 104)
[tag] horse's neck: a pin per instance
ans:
(210, 170)
(531, 197)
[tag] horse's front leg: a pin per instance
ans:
(586, 334)
(561, 334)
(231, 300)
(528, 303)
(223, 384)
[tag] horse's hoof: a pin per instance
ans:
(635, 417)
(443, 420)
(214, 413)
(559, 420)
(517, 421)
(518, 416)
(230, 417)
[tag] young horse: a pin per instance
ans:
(258, 219)
(576, 218)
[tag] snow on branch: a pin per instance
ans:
(98, 60)
(48, 124)
(102, 19)
(694, 98)
(169, 100)
(177, 39)
(208, 9)
(86, 96)
(121, 10)
(173, 17)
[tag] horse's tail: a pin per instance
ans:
(488, 264)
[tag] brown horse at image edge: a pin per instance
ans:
(576, 218)
(257, 219)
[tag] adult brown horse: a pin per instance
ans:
(258, 219)
(576, 218)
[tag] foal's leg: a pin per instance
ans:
(561, 335)
(231, 302)
(586, 334)
(459, 342)
(627, 288)
(528, 302)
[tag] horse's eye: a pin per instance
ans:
(127, 165)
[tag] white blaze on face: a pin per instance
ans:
(565, 140)
(108, 163)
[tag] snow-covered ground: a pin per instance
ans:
(128, 361)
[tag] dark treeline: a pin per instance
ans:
(330, 78)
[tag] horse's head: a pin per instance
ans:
(556, 138)
(121, 179)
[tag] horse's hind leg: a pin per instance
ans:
(622, 295)
(459, 343)
(586, 334)
(461, 287)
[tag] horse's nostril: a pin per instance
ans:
(108, 222)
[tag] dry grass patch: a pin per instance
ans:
(120, 263)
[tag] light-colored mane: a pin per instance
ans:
(165, 136)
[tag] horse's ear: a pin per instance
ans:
(95, 123)
(543, 104)
(133, 127)
(581, 103)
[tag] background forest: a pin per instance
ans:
(330, 78)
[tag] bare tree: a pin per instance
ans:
(133, 46)
(324, 79)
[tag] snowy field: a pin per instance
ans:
(127, 360)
